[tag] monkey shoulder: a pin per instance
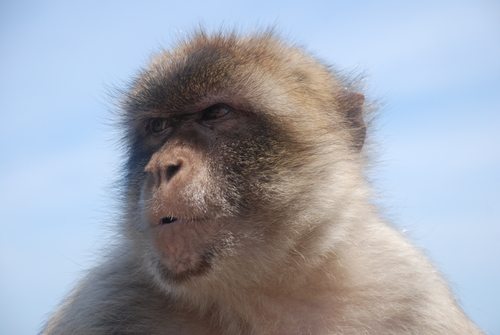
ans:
(398, 285)
(115, 298)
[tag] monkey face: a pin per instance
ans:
(202, 178)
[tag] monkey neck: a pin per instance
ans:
(285, 303)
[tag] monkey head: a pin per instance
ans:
(232, 142)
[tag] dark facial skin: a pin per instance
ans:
(181, 180)
(199, 163)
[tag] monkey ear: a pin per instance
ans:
(353, 109)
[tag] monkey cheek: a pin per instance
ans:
(183, 245)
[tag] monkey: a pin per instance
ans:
(246, 207)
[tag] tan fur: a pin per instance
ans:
(246, 209)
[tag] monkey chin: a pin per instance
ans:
(184, 246)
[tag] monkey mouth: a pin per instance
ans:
(168, 219)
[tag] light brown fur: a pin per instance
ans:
(253, 216)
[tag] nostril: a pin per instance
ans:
(172, 170)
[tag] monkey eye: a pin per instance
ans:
(214, 112)
(157, 125)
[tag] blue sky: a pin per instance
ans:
(434, 65)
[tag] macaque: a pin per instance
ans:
(246, 209)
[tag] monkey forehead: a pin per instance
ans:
(258, 71)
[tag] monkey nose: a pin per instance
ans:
(163, 173)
